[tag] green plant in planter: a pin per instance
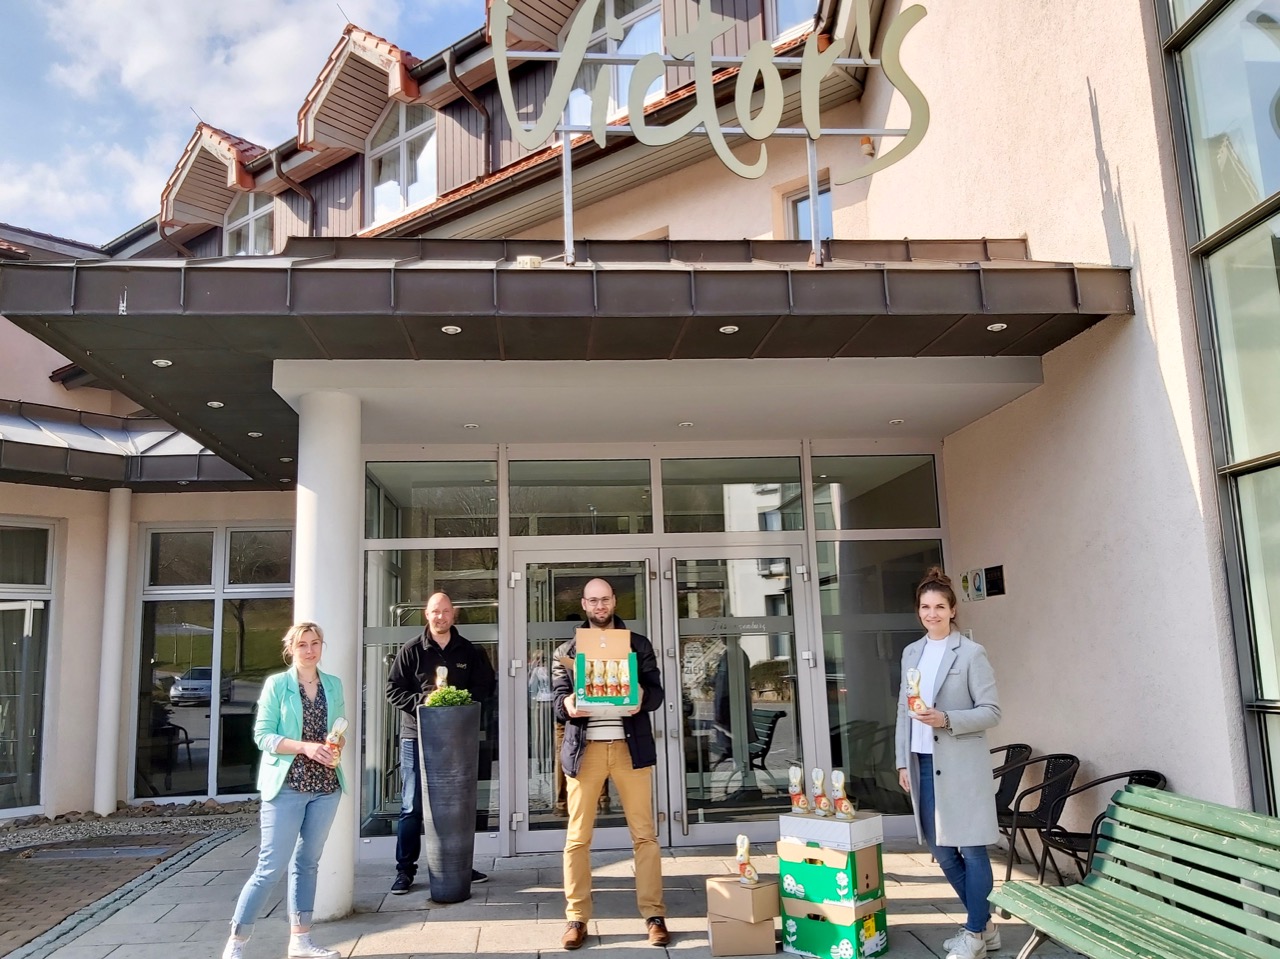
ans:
(448, 696)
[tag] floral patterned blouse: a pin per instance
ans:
(305, 774)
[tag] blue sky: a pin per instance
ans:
(96, 96)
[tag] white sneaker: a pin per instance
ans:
(990, 936)
(301, 947)
(234, 949)
(967, 945)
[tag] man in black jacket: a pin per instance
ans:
(412, 674)
(621, 750)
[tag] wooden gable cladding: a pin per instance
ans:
(681, 16)
(211, 171)
(536, 24)
(362, 73)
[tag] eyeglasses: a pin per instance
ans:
(602, 601)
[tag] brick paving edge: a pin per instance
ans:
(86, 918)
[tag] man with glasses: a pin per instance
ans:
(602, 749)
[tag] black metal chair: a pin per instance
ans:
(1058, 773)
(1079, 845)
(1009, 778)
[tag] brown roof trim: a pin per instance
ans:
(232, 151)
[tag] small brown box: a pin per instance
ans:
(727, 898)
(732, 937)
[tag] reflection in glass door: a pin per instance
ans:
(22, 676)
(552, 611)
(739, 691)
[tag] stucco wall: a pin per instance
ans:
(25, 365)
(1095, 490)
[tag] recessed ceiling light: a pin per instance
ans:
(896, 422)
(285, 479)
(997, 327)
(162, 363)
(77, 479)
(822, 476)
(685, 425)
(451, 330)
(255, 434)
(286, 459)
(215, 405)
(184, 482)
(729, 329)
(470, 426)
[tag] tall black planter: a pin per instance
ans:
(448, 764)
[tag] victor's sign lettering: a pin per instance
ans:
(694, 49)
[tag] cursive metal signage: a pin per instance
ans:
(758, 116)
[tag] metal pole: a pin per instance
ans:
(566, 196)
(814, 237)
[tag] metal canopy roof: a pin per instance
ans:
(222, 322)
(51, 446)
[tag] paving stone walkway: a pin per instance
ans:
(40, 886)
(519, 914)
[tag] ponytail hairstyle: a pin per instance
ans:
(936, 581)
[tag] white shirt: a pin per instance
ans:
(930, 660)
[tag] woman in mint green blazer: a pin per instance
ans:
(301, 783)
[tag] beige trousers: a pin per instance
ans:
(602, 761)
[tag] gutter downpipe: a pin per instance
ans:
(297, 188)
(181, 250)
(471, 98)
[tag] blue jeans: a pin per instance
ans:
(409, 826)
(967, 868)
(294, 827)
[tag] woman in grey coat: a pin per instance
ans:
(943, 758)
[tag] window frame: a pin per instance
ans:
(250, 220)
(400, 145)
(778, 32)
(217, 592)
(648, 9)
(46, 595)
(792, 201)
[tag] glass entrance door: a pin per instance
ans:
(726, 625)
(22, 676)
(550, 612)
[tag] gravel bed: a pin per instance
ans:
(148, 818)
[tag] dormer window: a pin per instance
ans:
(641, 22)
(250, 226)
(402, 161)
(791, 17)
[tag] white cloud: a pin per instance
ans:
(243, 66)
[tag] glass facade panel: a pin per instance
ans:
(259, 557)
(875, 492)
(431, 499)
(1245, 292)
(23, 653)
(732, 495)
(252, 634)
(1231, 72)
(175, 697)
(580, 497)
(868, 618)
(181, 559)
(736, 634)
(398, 584)
(24, 556)
(1260, 530)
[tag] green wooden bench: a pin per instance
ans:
(1170, 877)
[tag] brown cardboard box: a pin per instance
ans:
(728, 898)
(732, 937)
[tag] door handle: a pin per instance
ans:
(515, 664)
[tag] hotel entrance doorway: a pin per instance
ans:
(740, 661)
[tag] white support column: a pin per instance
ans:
(330, 510)
(111, 667)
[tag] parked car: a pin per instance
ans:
(196, 685)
